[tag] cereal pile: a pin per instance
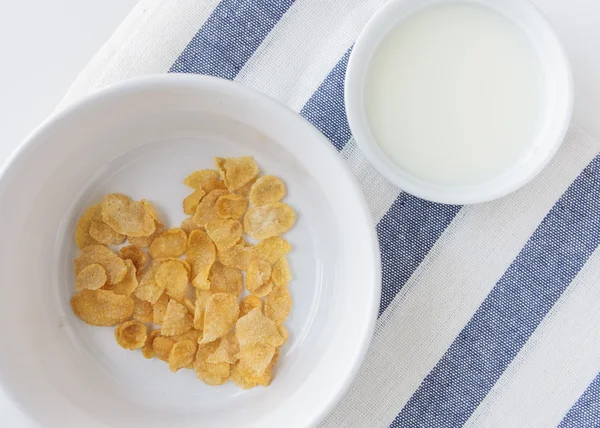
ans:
(204, 326)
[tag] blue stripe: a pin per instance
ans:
(586, 411)
(411, 226)
(325, 109)
(229, 37)
(406, 234)
(510, 313)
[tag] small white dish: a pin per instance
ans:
(142, 138)
(556, 115)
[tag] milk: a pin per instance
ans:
(454, 94)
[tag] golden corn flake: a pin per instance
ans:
(105, 234)
(191, 306)
(272, 249)
(131, 335)
(257, 357)
(162, 347)
(200, 273)
(200, 248)
(256, 329)
(268, 220)
(168, 243)
(159, 309)
(128, 284)
(82, 231)
(283, 332)
(220, 315)
(177, 319)
(91, 277)
(224, 279)
(278, 304)
(147, 350)
(193, 335)
(198, 178)
(245, 189)
(206, 212)
(98, 254)
(182, 262)
(191, 202)
(258, 276)
(173, 277)
(188, 225)
(236, 172)
(280, 274)
(145, 241)
(238, 257)
(202, 297)
(125, 216)
(182, 354)
(148, 289)
(224, 233)
(249, 303)
(152, 211)
(142, 311)
(245, 377)
(210, 373)
(101, 307)
(137, 256)
(214, 184)
(266, 190)
(226, 352)
(231, 206)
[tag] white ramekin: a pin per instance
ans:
(555, 117)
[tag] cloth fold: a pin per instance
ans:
(489, 312)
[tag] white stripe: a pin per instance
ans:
(148, 41)
(556, 364)
(291, 62)
(441, 296)
(380, 193)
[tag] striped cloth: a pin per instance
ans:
(488, 312)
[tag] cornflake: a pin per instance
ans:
(236, 172)
(177, 319)
(221, 313)
(126, 216)
(206, 212)
(231, 206)
(131, 335)
(191, 202)
(98, 254)
(266, 190)
(224, 233)
(268, 220)
(168, 243)
(198, 178)
(101, 307)
(272, 249)
(137, 256)
(105, 234)
(82, 231)
(91, 277)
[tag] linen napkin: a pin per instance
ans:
(489, 313)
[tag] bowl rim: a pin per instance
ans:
(177, 80)
(393, 12)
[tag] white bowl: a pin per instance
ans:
(555, 117)
(142, 138)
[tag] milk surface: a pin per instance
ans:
(454, 93)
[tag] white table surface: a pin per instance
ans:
(44, 51)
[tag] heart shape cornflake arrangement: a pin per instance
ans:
(189, 281)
